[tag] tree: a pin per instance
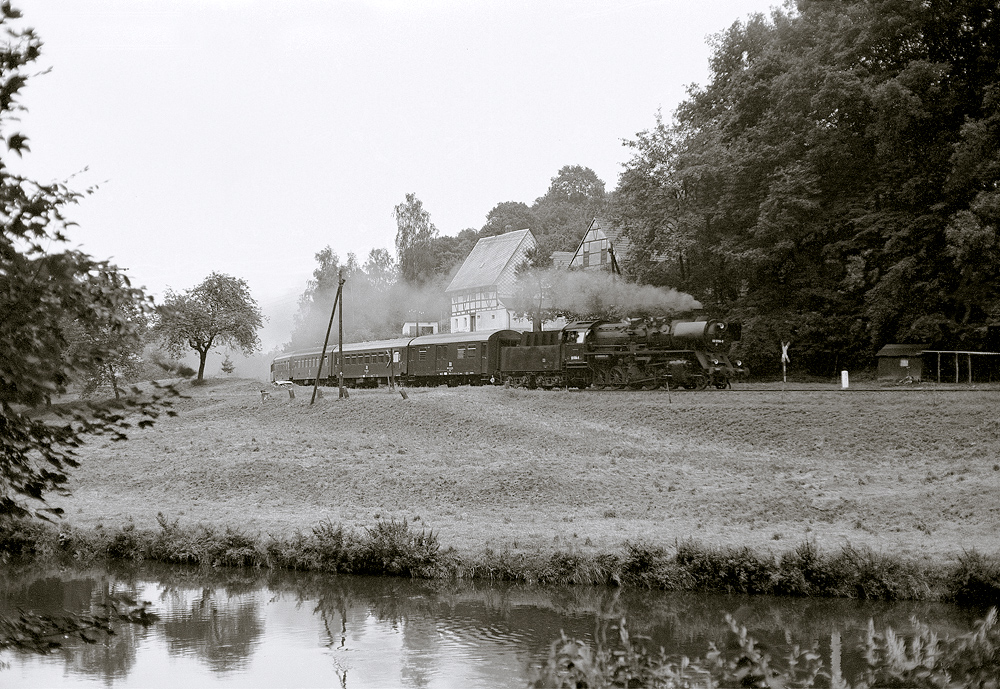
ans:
(121, 358)
(414, 237)
(369, 301)
(832, 178)
(509, 216)
(217, 312)
(577, 185)
(42, 291)
(532, 289)
(574, 198)
(380, 270)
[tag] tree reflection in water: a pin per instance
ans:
(360, 631)
(215, 626)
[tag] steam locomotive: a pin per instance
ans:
(628, 354)
(631, 354)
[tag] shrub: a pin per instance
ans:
(330, 547)
(392, 548)
(734, 570)
(875, 576)
(804, 571)
(173, 544)
(976, 580)
(23, 537)
(127, 543)
(233, 548)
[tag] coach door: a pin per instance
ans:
(442, 358)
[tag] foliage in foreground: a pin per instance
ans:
(916, 660)
(64, 317)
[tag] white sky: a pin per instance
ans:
(243, 136)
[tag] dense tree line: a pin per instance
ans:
(835, 181)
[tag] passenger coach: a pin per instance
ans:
(450, 358)
(458, 358)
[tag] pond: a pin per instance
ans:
(251, 628)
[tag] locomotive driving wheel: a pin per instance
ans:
(636, 377)
(618, 378)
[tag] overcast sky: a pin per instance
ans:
(243, 137)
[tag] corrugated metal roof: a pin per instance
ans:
(902, 350)
(488, 260)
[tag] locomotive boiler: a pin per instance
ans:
(631, 354)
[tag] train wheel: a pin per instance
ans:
(618, 378)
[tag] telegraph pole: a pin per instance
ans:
(326, 341)
(340, 292)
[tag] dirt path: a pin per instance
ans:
(911, 472)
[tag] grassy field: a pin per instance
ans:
(913, 472)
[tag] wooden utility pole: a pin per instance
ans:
(326, 341)
(340, 292)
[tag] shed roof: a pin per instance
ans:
(562, 259)
(902, 350)
(488, 259)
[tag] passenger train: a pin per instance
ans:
(631, 354)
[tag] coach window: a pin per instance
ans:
(461, 353)
(471, 352)
(423, 354)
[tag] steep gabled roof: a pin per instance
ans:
(489, 258)
(620, 244)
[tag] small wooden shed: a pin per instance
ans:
(899, 361)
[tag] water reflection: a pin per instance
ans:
(233, 627)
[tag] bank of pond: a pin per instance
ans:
(231, 605)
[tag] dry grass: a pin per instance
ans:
(910, 472)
